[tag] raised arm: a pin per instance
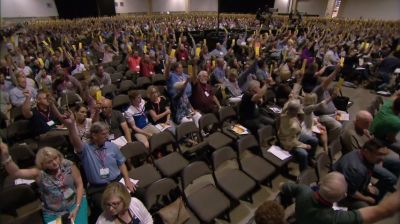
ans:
(26, 106)
(387, 207)
(69, 121)
(330, 78)
(13, 168)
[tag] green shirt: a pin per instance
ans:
(385, 122)
(310, 210)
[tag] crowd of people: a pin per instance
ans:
(69, 74)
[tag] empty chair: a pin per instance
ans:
(234, 182)
(121, 102)
(18, 130)
(188, 139)
(324, 165)
(69, 99)
(109, 70)
(125, 86)
(172, 163)
(143, 82)
(158, 79)
(201, 194)
(116, 77)
(22, 155)
(130, 75)
(255, 166)
(54, 138)
(122, 68)
(334, 148)
(266, 137)
(208, 125)
(20, 204)
(16, 114)
(308, 177)
(144, 172)
(227, 118)
(158, 189)
(108, 91)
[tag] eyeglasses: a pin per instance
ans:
(113, 204)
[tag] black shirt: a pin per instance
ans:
(114, 123)
(158, 108)
(248, 109)
(42, 121)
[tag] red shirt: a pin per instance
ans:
(202, 98)
(147, 69)
(182, 55)
(134, 64)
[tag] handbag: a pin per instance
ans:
(341, 102)
(174, 213)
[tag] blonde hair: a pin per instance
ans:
(45, 154)
(118, 190)
(310, 99)
(151, 89)
(93, 90)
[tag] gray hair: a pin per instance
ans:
(97, 127)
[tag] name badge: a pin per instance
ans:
(104, 172)
(111, 137)
(50, 123)
(68, 193)
(137, 66)
(206, 93)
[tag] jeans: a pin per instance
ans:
(333, 127)
(303, 155)
(254, 124)
(387, 175)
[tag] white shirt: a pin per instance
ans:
(78, 69)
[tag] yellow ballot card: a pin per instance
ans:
(340, 84)
(80, 45)
(198, 50)
(190, 69)
(172, 54)
(303, 66)
(98, 95)
(342, 62)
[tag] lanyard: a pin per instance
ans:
(46, 116)
(101, 155)
(321, 200)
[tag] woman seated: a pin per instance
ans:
(300, 145)
(120, 207)
(83, 123)
(181, 107)
(60, 184)
(157, 108)
(136, 117)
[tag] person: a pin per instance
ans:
(356, 134)
(301, 145)
(119, 207)
(175, 76)
(43, 80)
(181, 107)
(147, 66)
(101, 78)
(18, 93)
(78, 67)
(59, 183)
(157, 107)
(83, 123)
(270, 212)
(386, 123)
(249, 114)
(115, 120)
(136, 117)
(218, 75)
(203, 97)
(325, 113)
(5, 87)
(42, 118)
(359, 165)
(134, 62)
(102, 161)
(316, 207)
(387, 67)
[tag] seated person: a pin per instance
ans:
(157, 107)
(42, 118)
(83, 123)
(18, 93)
(249, 114)
(301, 145)
(203, 98)
(115, 121)
(176, 75)
(232, 87)
(136, 116)
(59, 181)
(358, 166)
(101, 78)
(43, 80)
(102, 161)
(134, 62)
(386, 123)
(181, 107)
(119, 207)
(356, 133)
(147, 66)
(316, 207)
(66, 83)
(218, 75)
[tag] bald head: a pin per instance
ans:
(333, 187)
(363, 120)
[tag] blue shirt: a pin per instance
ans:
(94, 158)
(173, 78)
(218, 76)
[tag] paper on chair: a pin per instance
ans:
(162, 127)
(342, 115)
(278, 152)
(23, 181)
(397, 71)
(121, 141)
(135, 182)
(338, 208)
(240, 130)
